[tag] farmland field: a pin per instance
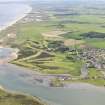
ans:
(54, 44)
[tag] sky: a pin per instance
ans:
(48, 0)
(12, 0)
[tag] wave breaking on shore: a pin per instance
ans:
(13, 54)
(28, 10)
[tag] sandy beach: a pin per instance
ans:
(13, 55)
(1, 88)
(28, 10)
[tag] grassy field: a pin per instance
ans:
(97, 43)
(16, 99)
(49, 55)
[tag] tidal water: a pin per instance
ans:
(11, 12)
(18, 79)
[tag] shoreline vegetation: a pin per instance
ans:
(13, 54)
(60, 49)
(13, 98)
(33, 43)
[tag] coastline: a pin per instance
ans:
(27, 82)
(70, 85)
(13, 55)
(1, 87)
(29, 9)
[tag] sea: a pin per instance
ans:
(10, 12)
(19, 79)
